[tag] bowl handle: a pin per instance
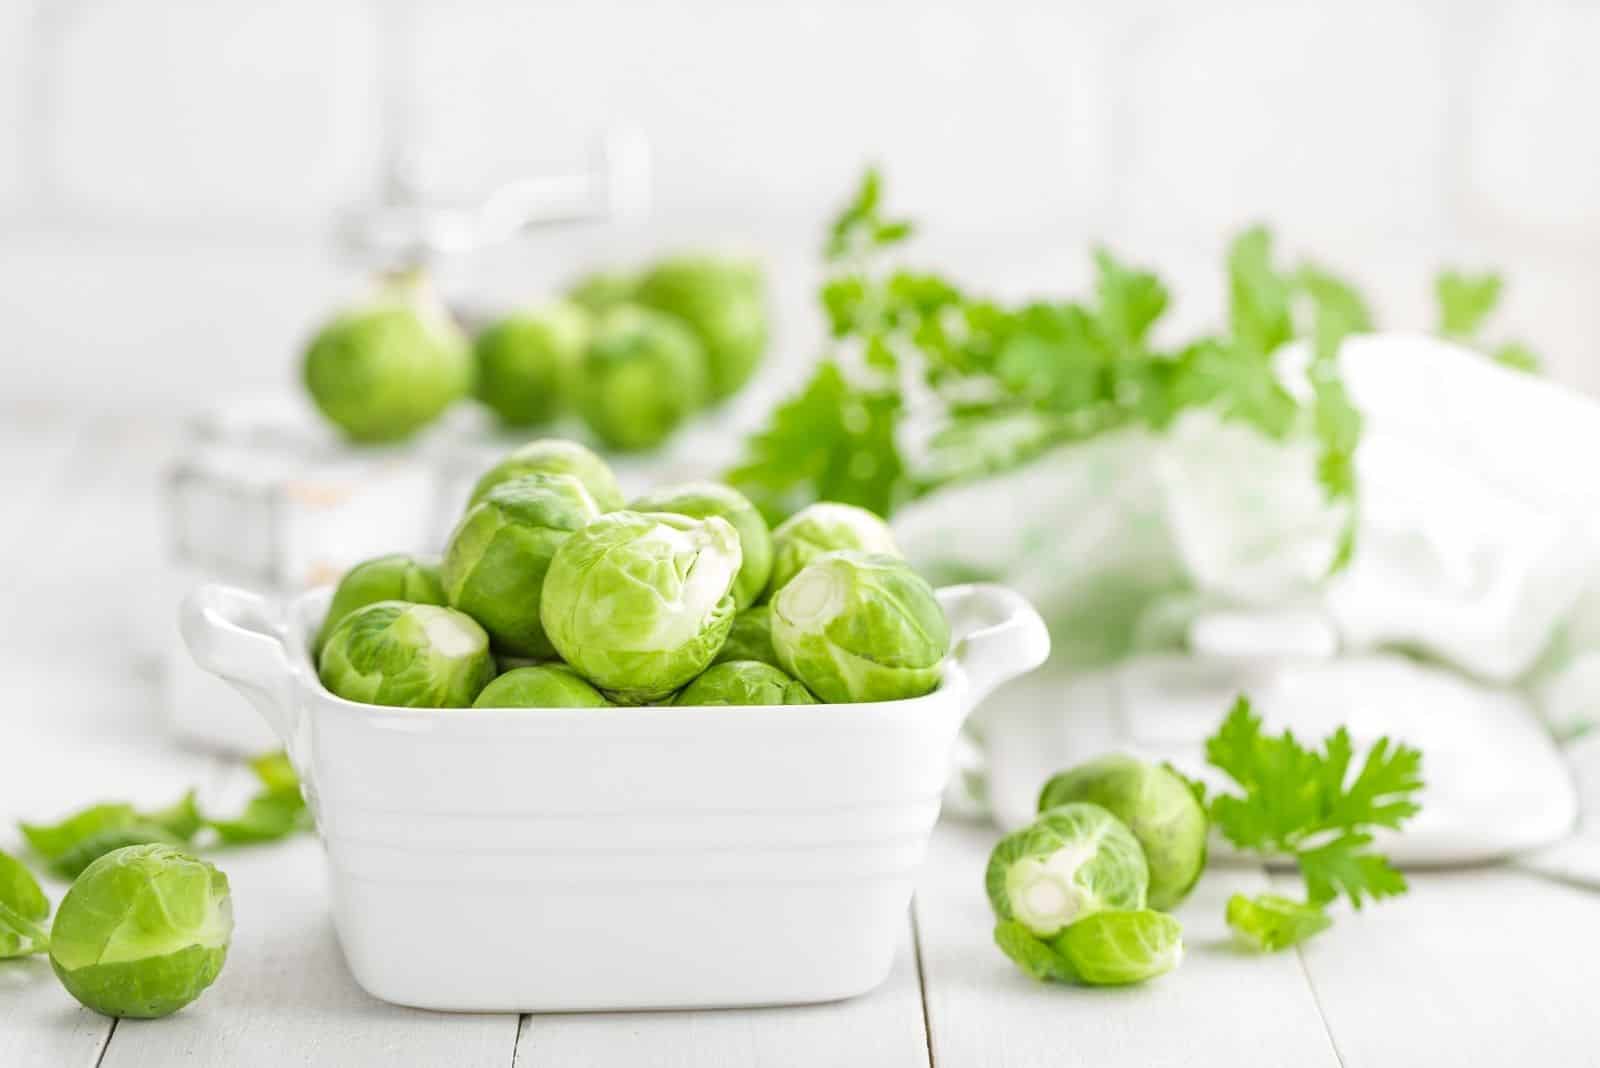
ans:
(238, 635)
(996, 635)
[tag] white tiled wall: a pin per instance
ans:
(169, 169)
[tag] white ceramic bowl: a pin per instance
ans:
(528, 860)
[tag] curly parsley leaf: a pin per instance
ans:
(1303, 803)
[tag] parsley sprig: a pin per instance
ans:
(1316, 807)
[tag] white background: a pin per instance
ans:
(169, 170)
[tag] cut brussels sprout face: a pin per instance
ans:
(142, 932)
(528, 362)
(750, 637)
(1074, 861)
(397, 577)
(722, 302)
(744, 682)
(860, 627)
(383, 371)
(1158, 807)
(553, 456)
(545, 686)
(639, 603)
(702, 499)
(642, 376)
(823, 528)
(407, 655)
(495, 565)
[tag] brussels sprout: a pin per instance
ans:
(639, 603)
(744, 682)
(528, 362)
(142, 932)
(723, 303)
(383, 370)
(860, 627)
(750, 637)
(1110, 948)
(496, 561)
(397, 577)
(701, 499)
(553, 456)
(504, 662)
(642, 376)
(823, 528)
(546, 686)
(1158, 807)
(1073, 861)
(603, 290)
(407, 655)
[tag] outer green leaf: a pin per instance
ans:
(20, 936)
(1117, 947)
(1465, 301)
(1031, 953)
(1269, 923)
(20, 891)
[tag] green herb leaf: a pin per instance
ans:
(1303, 803)
(1268, 922)
(1259, 296)
(1465, 301)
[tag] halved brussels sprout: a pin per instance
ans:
(1158, 807)
(820, 528)
(545, 686)
(528, 362)
(750, 637)
(383, 370)
(723, 303)
(701, 499)
(603, 290)
(142, 932)
(1073, 861)
(639, 603)
(396, 577)
(744, 682)
(642, 376)
(555, 456)
(496, 561)
(407, 655)
(860, 627)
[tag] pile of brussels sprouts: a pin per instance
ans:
(1081, 895)
(633, 356)
(554, 592)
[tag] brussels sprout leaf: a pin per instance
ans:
(1268, 922)
(84, 837)
(1465, 301)
(23, 907)
(278, 811)
(1304, 803)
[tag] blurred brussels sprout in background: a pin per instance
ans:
(639, 603)
(396, 577)
(528, 362)
(642, 376)
(142, 932)
(544, 686)
(744, 682)
(860, 627)
(383, 370)
(822, 528)
(495, 564)
(603, 290)
(750, 637)
(722, 302)
(407, 655)
(701, 499)
(1158, 807)
(1073, 861)
(555, 456)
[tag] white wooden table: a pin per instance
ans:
(1490, 966)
